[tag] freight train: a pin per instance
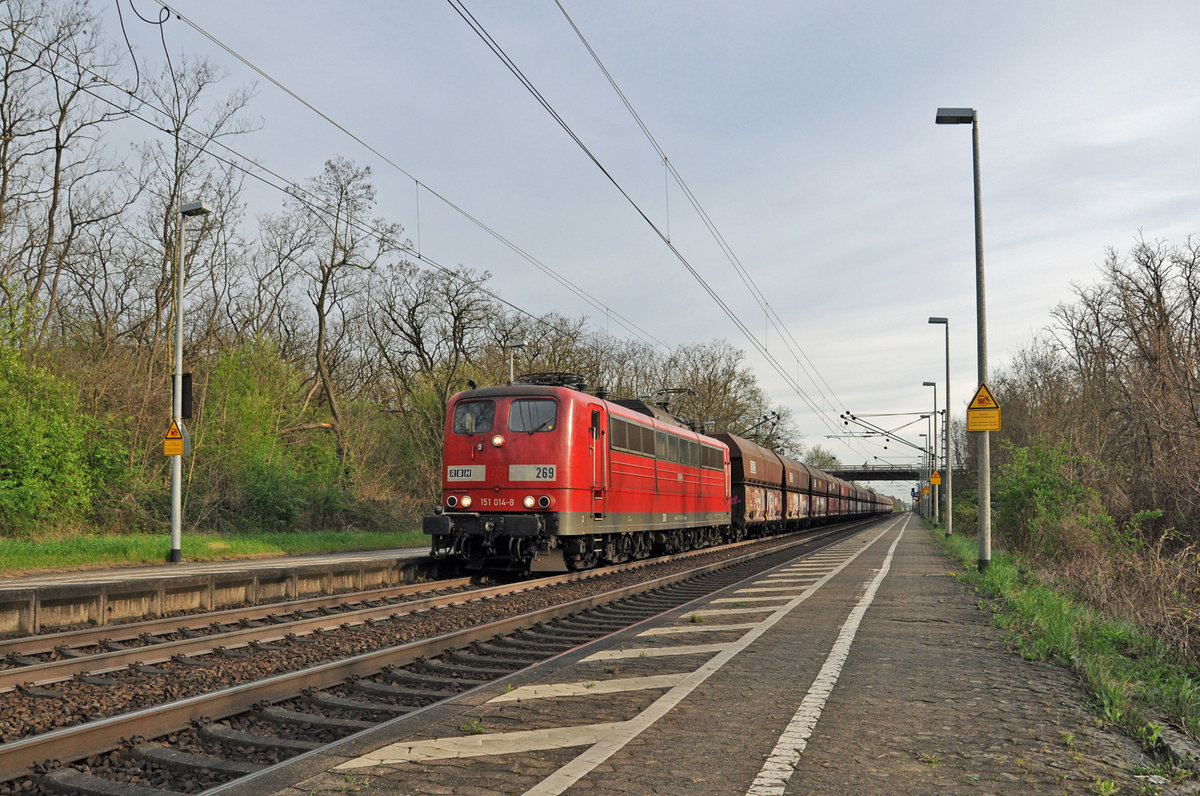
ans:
(542, 476)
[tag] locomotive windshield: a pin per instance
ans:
(474, 417)
(536, 414)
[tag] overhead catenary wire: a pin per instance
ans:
(255, 170)
(511, 65)
(292, 188)
(755, 291)
(581, 293)
(289, 188)
(609, 312)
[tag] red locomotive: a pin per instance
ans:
(547, 477)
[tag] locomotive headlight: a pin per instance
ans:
(530, 501)
(497, 440)
(452, 501)
(466, 501)
(544, 502)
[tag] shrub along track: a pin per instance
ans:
(281, 693)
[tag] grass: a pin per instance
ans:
(88, 552)
(1134, 679)
(472, 727)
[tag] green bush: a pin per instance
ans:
(54, 460)
(250, 472)
(1039, 503)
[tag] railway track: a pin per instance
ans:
(222, 706)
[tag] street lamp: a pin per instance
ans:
(924, 468)
(969, 116)
(949, 456)
(190, 209)
(512, 351)
(933, 488)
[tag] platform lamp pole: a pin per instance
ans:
(948, 476)
(190, 209)
(512, 353)
(933, 488)
(969, 116)
(930, 463)
(924, 474)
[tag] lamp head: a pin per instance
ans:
(955, 115)
(195, 209)
(940, 320)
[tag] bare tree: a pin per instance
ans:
(424, 328)
(51, 163)
(327, 234)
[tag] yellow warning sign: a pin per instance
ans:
(936, 478)
(983, 413)
(173, 441)
(983, 398)
(924, 490)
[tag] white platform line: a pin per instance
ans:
(773, 598)
(590, 687)
(762, 609)
(477, 745)
(656, 652)
(696, 627)
(775, 773)
(622, 734)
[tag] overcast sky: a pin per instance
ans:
(806, 131)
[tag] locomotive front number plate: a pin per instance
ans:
(531, 472)
(471, 472)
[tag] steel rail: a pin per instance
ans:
(50, 672)
(80, 741)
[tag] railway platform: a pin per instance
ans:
(865, 668)
(31, 603)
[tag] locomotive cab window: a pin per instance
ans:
(532, 415)
(474, 417)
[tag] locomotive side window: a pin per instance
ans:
(618, 434)
(711, 459)
(630, 437)
(474, 417)
(660, 447)
(532, 415)
(646, 444)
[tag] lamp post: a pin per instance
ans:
(933, 488)
(946, 452)
(190, 209)
(512, 352)
(969, 116)
(924, 470)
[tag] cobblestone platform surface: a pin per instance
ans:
(863, 669)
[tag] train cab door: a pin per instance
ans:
(598, 443)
